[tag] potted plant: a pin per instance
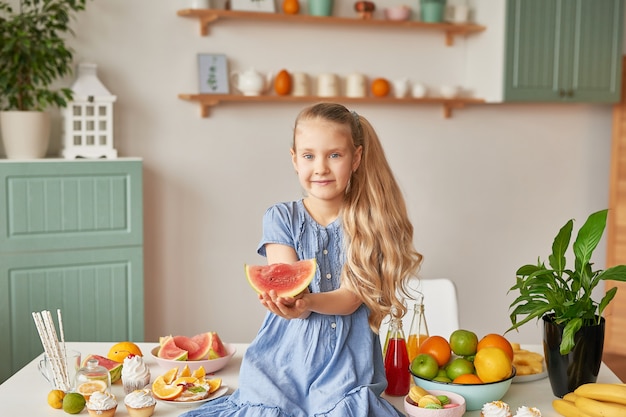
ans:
(562, 298)
(33, 55)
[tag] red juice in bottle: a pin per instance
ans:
(397, 368)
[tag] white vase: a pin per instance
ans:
(25, 134)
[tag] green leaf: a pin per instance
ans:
(606, 300)
(567, 343)
(588, 237)
(559, 247)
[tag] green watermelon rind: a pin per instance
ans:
(263, 278)
(169, 344)
(114, 368)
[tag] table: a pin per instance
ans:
(26, 391)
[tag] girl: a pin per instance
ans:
(319, 354)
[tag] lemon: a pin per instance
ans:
(492, 364)
(91, 386)
(73, 403)
(55, 398)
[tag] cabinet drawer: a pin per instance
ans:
(53, 205)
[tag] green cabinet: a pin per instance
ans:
(563, 50)
(71, 238)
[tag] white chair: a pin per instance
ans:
(440, 307)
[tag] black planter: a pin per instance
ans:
(581, 365)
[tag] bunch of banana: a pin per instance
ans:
(593, 400)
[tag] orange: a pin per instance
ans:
(282, 83)
(170, 375)
(438, 347)
(380, 87)
(185, 372)
(492, 364)
(291, 6)
(121, 350)
(199, 373)
(165, 391)
(467, 379)
(185, 380)
(214, 384)
(496, 340)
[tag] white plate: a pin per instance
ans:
(532, 377)
(190, 404)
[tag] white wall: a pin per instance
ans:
(487, 189)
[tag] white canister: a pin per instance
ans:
(460, 13)
(327, 85)
(356, 85)
(400, 87)
(300, 84)
(419, 90)
(200, 4)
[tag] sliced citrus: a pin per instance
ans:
(88, 388)
(170, 375)
(165, 391)
(199, 373)
(185, 380)
(186, 371)
(214, 384)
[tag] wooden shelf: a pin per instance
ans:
(209, 16)
(207, 101)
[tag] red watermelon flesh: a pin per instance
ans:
(218, 350)
(186, 343)
(169, 350)
(203, 341)
(114, 368)
(287, 280)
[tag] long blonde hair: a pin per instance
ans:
(380, 256)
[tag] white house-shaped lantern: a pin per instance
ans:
(88, 124)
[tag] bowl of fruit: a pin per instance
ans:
(434, 403)
(204, 350)
(480, 371)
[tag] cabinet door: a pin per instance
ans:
(563, 50)
(99, 293)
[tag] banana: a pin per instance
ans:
(615, 393)
(567, 409)
(596, 408)
(570, 396)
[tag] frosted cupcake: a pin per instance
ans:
(524, 411)
(102, 404)
(135, 374)
(140, 403)
(496, 409)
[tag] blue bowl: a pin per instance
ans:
(475, 394)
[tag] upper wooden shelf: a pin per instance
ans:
(207, 101)
(208, 16)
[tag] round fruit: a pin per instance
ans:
(496, 340)
(459, 366)
(492, 364)
(380, 87)
(73, 403)
(467, 379)
(438, 347)
(121, 350)
(88, 388)
(463, 342)
(166, 391)
(55, 398)
(282, 83)
(425, 366)
(291, 6)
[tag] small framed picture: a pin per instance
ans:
(213, 74)
(254, 5)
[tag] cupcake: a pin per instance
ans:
(495, 409)
(135, 374)
(101, 404)
(140, 403)
(524, 411)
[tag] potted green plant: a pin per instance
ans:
(33, 55)
(562, 298)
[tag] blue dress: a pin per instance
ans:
(323, 365)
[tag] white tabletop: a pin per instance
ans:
(25, 393)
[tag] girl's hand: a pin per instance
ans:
(286, 307)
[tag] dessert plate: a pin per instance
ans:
(190, 404)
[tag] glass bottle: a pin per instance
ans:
(418, 332)
(92, 377)
(397, 361)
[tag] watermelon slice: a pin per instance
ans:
(114, 368)
(169, 350)
(287, 280)
(203, 343)
(218, 350)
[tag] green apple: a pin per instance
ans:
(425, 366)
(459, 366)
